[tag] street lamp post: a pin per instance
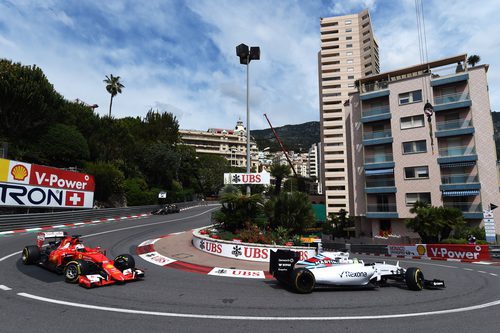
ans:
(246, 55)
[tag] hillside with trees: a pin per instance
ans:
(297, 138)
(132, 158)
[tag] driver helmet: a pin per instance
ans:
(79, 247)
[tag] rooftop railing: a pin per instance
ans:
(370, 87)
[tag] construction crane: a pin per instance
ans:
(281, 145)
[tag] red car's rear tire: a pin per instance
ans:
(31, 254)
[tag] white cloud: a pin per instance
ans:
(196, 75)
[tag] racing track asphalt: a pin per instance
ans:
(35, 300)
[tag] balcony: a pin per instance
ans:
(377, 137)
(376, 114)
(456, 154)
(470, 210)
(438, 80)
(379, 161)
(454, 127)
(459, 182)
(452, 101)
(374, 90)
(381, 211)
(380, 185)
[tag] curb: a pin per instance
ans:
(146, 251)
(69, 225)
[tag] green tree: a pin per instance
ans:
(28, 106)
(138, 193)
(160, 127)
(114, 87)
(291, 210)
(340, 223)
(64, 146)
(239, 210)
(210, 173)
(111, 141)
(160, 165)
(434, 223)
(279, 171)
(296, 183)
(473, 60)
(109, 188)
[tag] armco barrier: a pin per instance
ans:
(495, 251)
(24, 221)
(356, 248)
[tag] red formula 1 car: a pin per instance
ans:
(89, 267)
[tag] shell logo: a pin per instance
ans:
(19, 172)
(421, 249)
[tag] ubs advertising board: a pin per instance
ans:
(32, 185)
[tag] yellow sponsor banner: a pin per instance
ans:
(4, 169)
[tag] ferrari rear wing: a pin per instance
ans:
(41, 236)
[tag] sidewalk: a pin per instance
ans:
(179, 247)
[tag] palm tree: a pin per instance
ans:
(473, 60)
(114, 87)
(279, 171)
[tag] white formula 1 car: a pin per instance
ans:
(335, 269)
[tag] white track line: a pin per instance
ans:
(257, 318)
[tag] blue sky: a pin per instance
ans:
(179, 56)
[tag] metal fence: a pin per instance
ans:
(25, 221)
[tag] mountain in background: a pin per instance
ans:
(297, 138)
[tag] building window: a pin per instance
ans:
(350, 61)
(412, 122)
(348, 30)
(350, 69)
(410, 97)
(417, 172)
(348, 38)
(350, 77)
(348, 45)
(350, 85)
(414, 147)
(411, 198)
(347, 22)
(348, 53)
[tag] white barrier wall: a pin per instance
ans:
(244, 251)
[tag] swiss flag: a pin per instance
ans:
(74, 198)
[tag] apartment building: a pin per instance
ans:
(398, 157)
(229, 143)
(314, 166)
(349, 52)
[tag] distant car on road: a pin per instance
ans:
(167, 209)
(87, 266)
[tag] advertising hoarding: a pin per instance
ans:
(32, 185)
